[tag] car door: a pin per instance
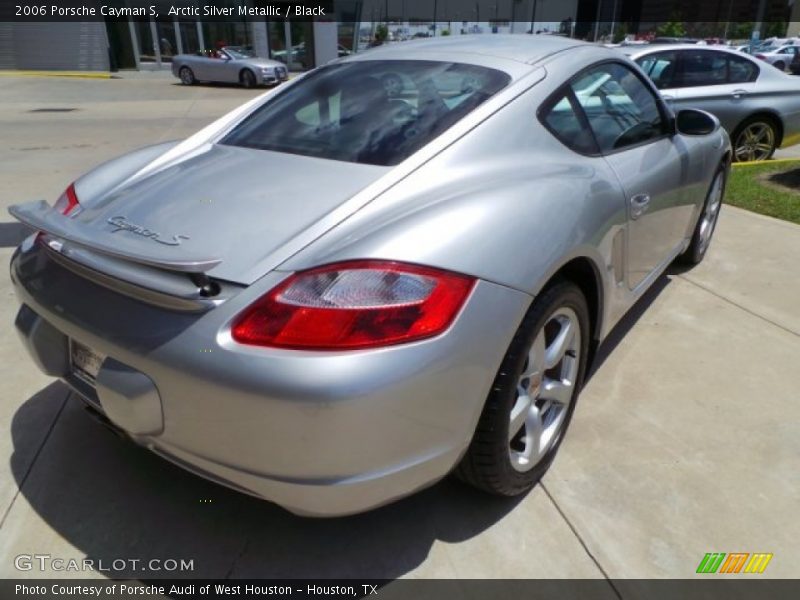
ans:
(218, 66)
(200, 67)
(229, 68)
(633, 132)
(721, 83)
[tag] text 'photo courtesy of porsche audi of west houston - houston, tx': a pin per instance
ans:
(344, 290)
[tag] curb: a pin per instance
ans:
(771, 161)
(76, 74)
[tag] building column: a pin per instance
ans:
(178, 40)
(135, 44)
(260, 36)
(794, 21)
(156, 42)
(287, 34)
(326, 41)
(200, 38)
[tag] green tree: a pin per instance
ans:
(671, 29)
(445, 32)
(740, 31)
(705, 30)
(620, 32)
(775, 29)
(381, 34)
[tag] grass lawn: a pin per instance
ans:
(749, 188)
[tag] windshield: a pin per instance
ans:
(373, 112)
(238, 52)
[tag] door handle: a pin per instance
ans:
(668, 97)
(738, 93)
(639, 204)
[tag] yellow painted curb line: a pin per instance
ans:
(79, 74)
(771, 161)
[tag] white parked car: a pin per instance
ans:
(779, 58)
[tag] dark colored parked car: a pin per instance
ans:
(794, 66)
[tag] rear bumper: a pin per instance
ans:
(321, 434)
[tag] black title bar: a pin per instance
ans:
(398, 11)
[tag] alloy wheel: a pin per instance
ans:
(755, 142)
(545, 390)
(711, 212)
(187, 77)
(248, 79)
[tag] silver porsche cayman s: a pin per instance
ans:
(391, 268)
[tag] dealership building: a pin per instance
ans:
(113, 42)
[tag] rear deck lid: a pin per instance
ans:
(221, 212)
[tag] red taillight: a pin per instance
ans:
(761, 56)
(358, 304)
(67, 201)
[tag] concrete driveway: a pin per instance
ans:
(686, 439)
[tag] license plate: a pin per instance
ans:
(85, 362)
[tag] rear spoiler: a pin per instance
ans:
(40, 216)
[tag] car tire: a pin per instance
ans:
(765, 130)
(247, 78)
(522, 424)
(780, 65)
(187, 76)
(706, 222)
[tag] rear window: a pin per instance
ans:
(741, 70)
(372, 112)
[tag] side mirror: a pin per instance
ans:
(691, 121)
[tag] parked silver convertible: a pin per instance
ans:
(758, 105)
(334, 296)
(231, 64)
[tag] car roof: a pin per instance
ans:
(642, 50)
(527, 49)
(773, 49)
(763, 73)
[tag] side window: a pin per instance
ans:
(703, 67)
(561, 116)
(620, 108)
(660, 67)
(741, 70)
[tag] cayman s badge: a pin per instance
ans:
(122, 224)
